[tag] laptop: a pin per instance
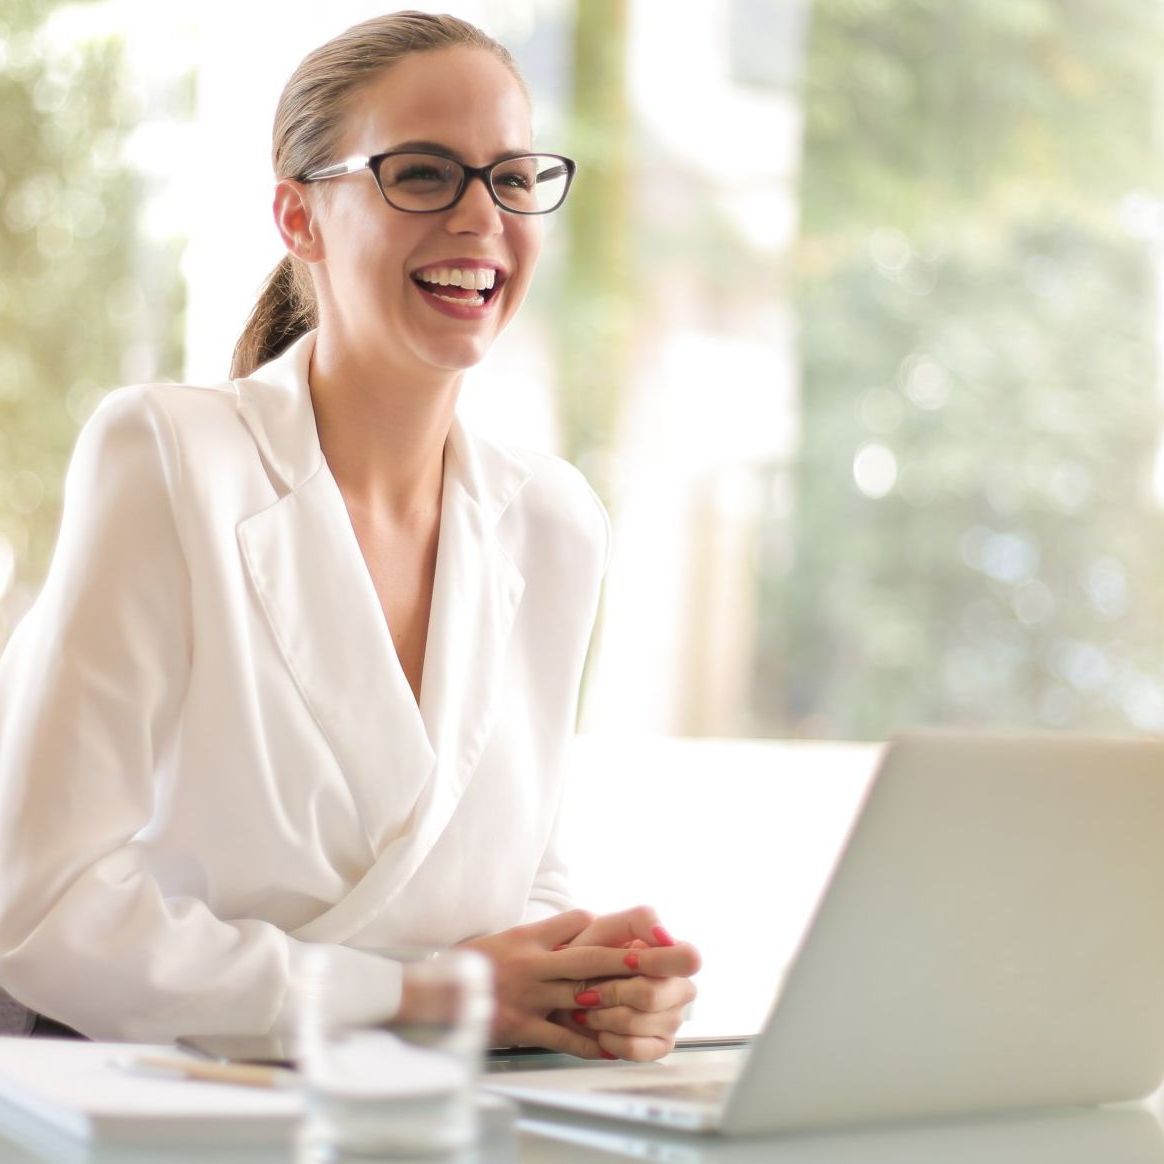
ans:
(991, 939)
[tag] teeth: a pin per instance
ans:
(473, 278)
(476, 301)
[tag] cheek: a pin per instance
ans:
(527, 247)
(532, 242)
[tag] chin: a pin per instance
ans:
(459, 357)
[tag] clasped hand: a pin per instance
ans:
(610, 987)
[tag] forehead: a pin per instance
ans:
(463, 98)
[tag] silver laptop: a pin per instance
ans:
(991, 939)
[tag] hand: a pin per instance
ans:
(635, 1016)
(539, 969)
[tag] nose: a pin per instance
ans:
(476, 212)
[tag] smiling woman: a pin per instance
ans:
(312, 595)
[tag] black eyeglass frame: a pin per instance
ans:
(356, 163)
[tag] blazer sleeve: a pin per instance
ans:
(91, 691)
(550, 893)
(589, 524)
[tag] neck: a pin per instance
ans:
(383, 432)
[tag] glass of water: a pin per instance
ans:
(400, 1084)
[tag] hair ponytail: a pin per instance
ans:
(308, 121)
(285, 310)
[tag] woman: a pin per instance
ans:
(306, 663)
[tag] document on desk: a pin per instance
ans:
(78, 1088)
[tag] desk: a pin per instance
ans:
(1127, 1134)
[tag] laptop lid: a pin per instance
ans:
(992, 938)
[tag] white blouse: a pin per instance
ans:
(209, 753)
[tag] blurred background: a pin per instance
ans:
(854, 319)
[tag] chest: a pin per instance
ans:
(401, 562)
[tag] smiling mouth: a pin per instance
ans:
(465, 286)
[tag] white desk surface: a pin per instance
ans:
(1117, 1134)
(1123, 1135)
(1126, 1135)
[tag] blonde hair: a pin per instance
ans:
(308, 121)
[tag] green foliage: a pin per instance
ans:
(978, 319)
(593, 302)
(70, 297)
(925, 109)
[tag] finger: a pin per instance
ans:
(642, 994)
(561, 929)
(569, 1020)
(584, 962)
(624, 1020)
(556, 1037)
(678, 961)
(558, 994)
(616, 929)
(637, 1048)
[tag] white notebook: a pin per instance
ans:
(74, 1087)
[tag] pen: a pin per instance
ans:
(241, 1074)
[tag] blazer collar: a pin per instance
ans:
(275, 403)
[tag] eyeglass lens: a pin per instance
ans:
(532, 184)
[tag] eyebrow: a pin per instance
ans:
(435, 147)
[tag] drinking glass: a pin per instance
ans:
(400, 1084)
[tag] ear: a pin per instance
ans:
(296, 222)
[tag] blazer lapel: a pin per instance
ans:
(314, 588)
(476, 596)
(408, 767)
(310, 578)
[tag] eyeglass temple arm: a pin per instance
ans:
(552, 173)
(347, 166)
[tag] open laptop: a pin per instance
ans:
(991, 938)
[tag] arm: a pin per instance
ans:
(91, 691)
(550, 892)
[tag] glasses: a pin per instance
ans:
(422, 183)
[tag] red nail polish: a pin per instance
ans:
(607, 1055)
(662, 937)
(588, 998)
(632, 960)
(579, 1016)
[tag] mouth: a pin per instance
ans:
(464, 286)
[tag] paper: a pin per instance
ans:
(75, 1087)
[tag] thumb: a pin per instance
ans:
(561, 929)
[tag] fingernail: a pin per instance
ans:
(588, 998)
(632, 960)
(579, 1016)
(607, 1055)
(662, 937)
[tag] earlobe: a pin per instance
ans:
(295, 220)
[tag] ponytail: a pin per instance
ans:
(285, 310)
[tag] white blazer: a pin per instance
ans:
(209, 753)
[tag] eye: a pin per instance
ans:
(418, 172)
(518, 176)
